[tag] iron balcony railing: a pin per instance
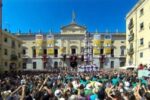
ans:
(130, 51)
(13, 57)
(131, 37)
(130, 25)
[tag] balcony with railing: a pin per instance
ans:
(130, 25)
(131, 37)
(130, 51)
(13, 57)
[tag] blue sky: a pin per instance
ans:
(53, 14)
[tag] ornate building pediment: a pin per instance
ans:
(73, 28)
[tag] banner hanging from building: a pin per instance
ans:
(96, 51)
(107, 50)
(50, 51)
(39, 51)
(39, 40)
(97, 40)
(50, 41)
(107, 40)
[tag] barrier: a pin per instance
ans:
(87, 68)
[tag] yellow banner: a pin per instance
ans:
(107, 42)
(96, 51)
(50, 41)
(97, 42)
(39, 51)
(107, 51)
(50, 51)
(39, 40)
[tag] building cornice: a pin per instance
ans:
(11, 36)
(135, 7)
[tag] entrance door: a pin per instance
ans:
(73, 51)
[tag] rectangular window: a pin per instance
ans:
(34, 65)
(45, 51)
(55, 52)
(141, 55)
(112, 52)
(122, 64)
(5, 40)
(141, 41)
(122, 51)
(5, 52)
(112, 64)
(24, 51)
(141, 12)
(24, 65)
(142, 26)
(101, 51)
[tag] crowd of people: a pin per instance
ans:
(100, 85)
